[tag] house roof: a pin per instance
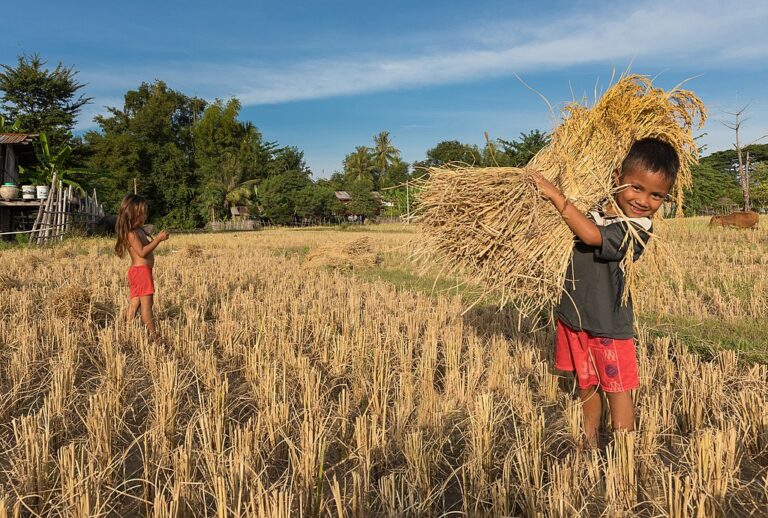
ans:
(343, 196)
(16, 138)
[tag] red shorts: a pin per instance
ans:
(140, 281)
(608, 362)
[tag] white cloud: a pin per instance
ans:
(696, 34)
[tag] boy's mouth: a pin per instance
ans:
(636, 210)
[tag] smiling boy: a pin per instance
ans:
(594, 330)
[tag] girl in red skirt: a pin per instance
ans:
(132, 238)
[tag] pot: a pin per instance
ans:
(42, 192)
(9, 191)
(27, 192)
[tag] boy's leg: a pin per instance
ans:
(622, 410)
(592, 410)
(146, 315)
(133, 307)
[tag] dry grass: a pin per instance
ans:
(492, 225)
(290, 391)
(359, 253)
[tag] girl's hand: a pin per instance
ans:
(544, 186)
(163, 235)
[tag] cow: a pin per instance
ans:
(736, 219)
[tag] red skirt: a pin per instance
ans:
(140, 281)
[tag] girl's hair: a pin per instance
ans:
(132, 214)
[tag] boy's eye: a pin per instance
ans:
(636, 188)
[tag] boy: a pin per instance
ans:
(594, 330)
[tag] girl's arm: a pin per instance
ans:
(141, 249)
(583, 227)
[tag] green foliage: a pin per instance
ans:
(716, 180)
(42, 100)
(358, 165)
(279, 195)
(384, 155)
(9, 128)
(151, 140)
(363, 202)
(710, 186)
(231, 158)
(317, 201)
(451, 151)
(517, 153)
(52, 162)
(397, 174)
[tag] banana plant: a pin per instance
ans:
(50, 162)
(9, 128)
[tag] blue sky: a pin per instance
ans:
(327, 75)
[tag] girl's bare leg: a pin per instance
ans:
(133, 307)
(147, 317)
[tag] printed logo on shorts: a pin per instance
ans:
(606, 341)
(611, 370)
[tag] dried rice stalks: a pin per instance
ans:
(8, 282)
(356, 254)
(70, 302)
(193, 251)
(494, 226)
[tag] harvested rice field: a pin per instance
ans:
(322, 372)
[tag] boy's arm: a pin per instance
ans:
(580, 225)
(141, 249)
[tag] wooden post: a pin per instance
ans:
(407, 201)
(135, 186)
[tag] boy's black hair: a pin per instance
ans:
(653, 155)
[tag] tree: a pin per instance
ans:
(384, 155)
(150, 139)
(231, 157)
(316, 201)
(359, 164)
(289, 158)
(363, 202)
(42, 100)
(397, 174)
(450, 151)
(760, 176)
(279, 195)
(743, 171)
(517, 153)
(709, 186)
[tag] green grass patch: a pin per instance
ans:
(286, 252)
(708, 336)
(407, 280)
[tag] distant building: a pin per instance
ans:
(343, 197)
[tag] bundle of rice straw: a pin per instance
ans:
(493, 226)
(355, 254)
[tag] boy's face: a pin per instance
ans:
(642, 193)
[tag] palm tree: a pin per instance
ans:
(359, 164)
(384, 155)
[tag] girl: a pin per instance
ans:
(132, 238)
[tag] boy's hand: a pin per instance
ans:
(544, 186)
(163, 235)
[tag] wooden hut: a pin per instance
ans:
(16, 149)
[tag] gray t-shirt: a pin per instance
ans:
(594, 282)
